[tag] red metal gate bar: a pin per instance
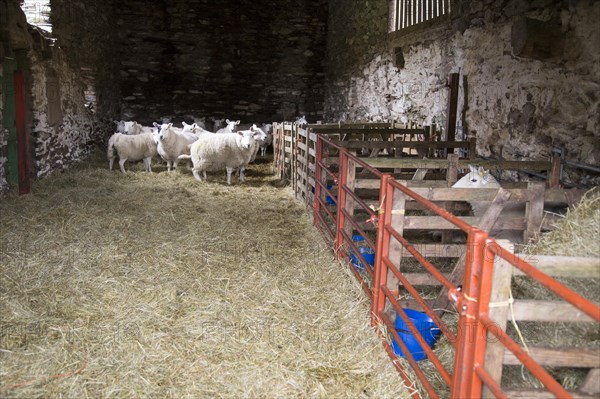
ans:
(489, 382)
(359, 229)
(464, 385)
(428, 351)
(559, 289)
(327, 192)
(319, 218)
(428, 310)
(431, 206)
(358, 254)
(341, 217)
(382, 250)
(408, 356)
(359, 201)
(537, 370)
(430, 268)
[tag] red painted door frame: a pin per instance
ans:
(22, 139)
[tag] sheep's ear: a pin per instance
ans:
(169, 125)
(227, 121)
(194, 125)
(184, 124)
(237, 122)
(155, 124)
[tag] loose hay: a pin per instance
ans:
(151, 285)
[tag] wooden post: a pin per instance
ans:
(395, 249)
(555, 172)
(472, 148)
(494, 352)
(534, 210)
(486, 223)
(591, 384)
(452, 172)
(451, 110)
(350, 202)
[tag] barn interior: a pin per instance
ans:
(528, 78)
(522, 93)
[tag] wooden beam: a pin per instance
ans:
(571, 357)
(462, 163)
(494, 351)
(539, 394)
(451, 115)
(548, 311)
(591, 384)
(486, 223)
(534, 210)
(563, 266)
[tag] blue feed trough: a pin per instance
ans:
(367, 253)
(328, 199)
(426, 326)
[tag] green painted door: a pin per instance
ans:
(9, 117)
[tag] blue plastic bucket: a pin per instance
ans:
(328, 199)
(426, 326)
(367, 253)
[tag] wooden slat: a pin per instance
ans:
(591, 384)
(437, 223)
(486, 223)
(357, 144)
(422, 279)
(534, 211)
(571, 357)
(437, 191)
(436, 250)
(462, 163)
(563, 266)
(548, 311)
(538, 394)
(494, 351)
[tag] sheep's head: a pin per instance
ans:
(128, 127)
(259, 134)
(163, 130)
(477, 177)
(231, 125)
(247, 138)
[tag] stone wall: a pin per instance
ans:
(61, 129)
(248, 60)
(525, 106)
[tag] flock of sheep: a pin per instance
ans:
(231, 147)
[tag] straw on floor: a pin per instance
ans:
(152, 285)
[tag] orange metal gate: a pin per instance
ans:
(335, 167)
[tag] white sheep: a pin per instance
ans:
(135, 128)
(268, 129)
(478, 177)
(213, 152)
(173, 142)
(260, 139)
(230, 126)
(133, 148)
(301, 120)
(120, 126)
